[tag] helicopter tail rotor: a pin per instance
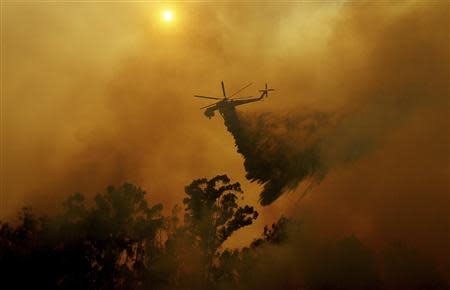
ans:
(266, 91)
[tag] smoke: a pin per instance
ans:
(273, 154)
(101, 94)
(282, 150)
(392, 75)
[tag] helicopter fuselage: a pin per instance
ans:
(228, 104)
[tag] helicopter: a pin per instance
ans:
(227, 102)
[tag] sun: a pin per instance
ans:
(167, 15)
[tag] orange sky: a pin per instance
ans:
(101, 93)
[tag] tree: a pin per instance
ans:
(278, 233)
(110, 245)
(121, 231)
(213, 215)
(25, 258)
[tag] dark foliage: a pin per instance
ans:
(120, 242)
(212, 215)
(111, 245)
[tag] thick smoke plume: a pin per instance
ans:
(394, 75)
(273, 156)
(282, 150)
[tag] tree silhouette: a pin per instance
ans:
(213, 215)
(121, 230)
(117, 241)
(110, 245)
(278, 233)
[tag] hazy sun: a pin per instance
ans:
(167, 15)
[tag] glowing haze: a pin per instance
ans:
(100, 94)
(167, 15)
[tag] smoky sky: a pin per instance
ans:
(279, 152)
(100, 94)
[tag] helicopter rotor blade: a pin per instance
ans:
(210, 105)
(240, 90)
(223, 90)
(205, 97)
(243, 98)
